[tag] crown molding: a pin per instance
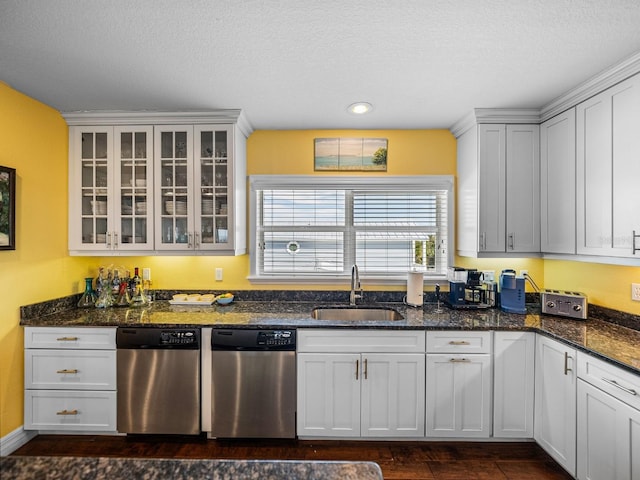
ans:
(495, 115)
(607, 78)
(600, 82)
(118, 117)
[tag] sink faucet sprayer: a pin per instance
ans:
(355, 285)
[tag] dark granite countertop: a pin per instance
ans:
(601, 336)
(93, 468)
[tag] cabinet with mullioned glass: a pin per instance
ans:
(110, 189)
(196, 174)
(171, 183)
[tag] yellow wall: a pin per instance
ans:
(411, 152)
(605, 285)
(33, 140)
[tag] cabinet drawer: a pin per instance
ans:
(70, 370)
(617, 382)
(355, 341)
(66, 410)
(96, 338)
(458, 342)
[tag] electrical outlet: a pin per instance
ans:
(218, 274)
(635, 292)
(146, 274)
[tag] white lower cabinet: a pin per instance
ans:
(555, 401)
(345, 389)
(608, 423)
(513, 384)
(70, 379)
(458, 402)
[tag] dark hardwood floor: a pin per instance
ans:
(398, 460)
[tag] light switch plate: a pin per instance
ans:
(218, 274)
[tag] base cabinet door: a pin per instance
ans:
(555, 401)
(513, 382)
(361, 395)
(458, 395)
(393, 391)
(328, 394)
(608, 436)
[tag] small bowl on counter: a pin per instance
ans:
(224, 300)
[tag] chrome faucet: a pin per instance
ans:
(355, 285)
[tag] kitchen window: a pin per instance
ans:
(314, 228)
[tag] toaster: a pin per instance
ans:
(566, 304)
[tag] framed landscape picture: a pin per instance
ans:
(7, 208)
(350, 154)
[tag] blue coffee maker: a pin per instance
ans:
(512, 293)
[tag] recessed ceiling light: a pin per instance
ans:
(359, 108)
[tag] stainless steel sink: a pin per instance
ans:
(382, 314)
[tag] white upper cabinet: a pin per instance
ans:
(161, 187)
(499, 190)
(557, 183)
(608, 171)
(110, 172)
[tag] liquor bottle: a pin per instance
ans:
(134, 282)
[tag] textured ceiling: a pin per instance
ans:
(296, 64)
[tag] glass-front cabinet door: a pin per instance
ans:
(174, 181)
(213, 177)
(91, 184)
(134, 188)
(110, 188)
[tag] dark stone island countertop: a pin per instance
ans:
(93, 468)
(607, 334)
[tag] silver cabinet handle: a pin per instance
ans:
(197, 240)
(115, 240)
(616, 384)
(67, 339)
(365, 368)
(357, 368)
(483, 241)
(459, 342)
(67, 371)
(566, 363)
(460, 360)
(190, 244)
(108, 239)
(511, 237)
(67, 412)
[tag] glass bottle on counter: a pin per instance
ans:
(124, 299)
(88, 299)
(105, 298)
(134, 282)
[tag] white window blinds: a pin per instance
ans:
(319, 226)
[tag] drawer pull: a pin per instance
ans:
(459, 342)
(67, 339)
(460, 360)
(357, 368)
(365, 369)
(67, 371)
(616, 384)
(67, 412)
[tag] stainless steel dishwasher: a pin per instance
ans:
(158, 378)
(253, 391)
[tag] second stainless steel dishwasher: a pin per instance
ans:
(253, 388)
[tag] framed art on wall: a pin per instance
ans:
(350, 154)
(7, 208)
